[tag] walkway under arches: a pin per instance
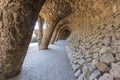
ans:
(51, 64)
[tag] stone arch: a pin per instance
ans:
(52, 18)
(62, 28)
(65, 33)
(61, 23)
(40, 29)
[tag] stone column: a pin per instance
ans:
(58, 34)
(61, 23)
(47, 35)
(17, 20)
(40, 32)
(54, 35)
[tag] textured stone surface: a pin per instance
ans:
(82, 77)
(115, 71)
(87, 69)
(17, 18)
(106, 76)
(40, 30)
(118, 56)
(102, 67)
(107, 58)
(96, 39)
(95, 75)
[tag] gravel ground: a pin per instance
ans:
(51, 64)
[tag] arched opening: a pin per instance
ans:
(64, 34)
(34, 38)
(39, 29)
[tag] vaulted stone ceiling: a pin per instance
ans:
(74, 14)
(93, 46)
(79, 12)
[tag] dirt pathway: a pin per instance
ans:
(51, 64)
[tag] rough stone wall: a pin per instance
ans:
(94, 44)
(94, 50)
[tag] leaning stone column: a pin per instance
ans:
(40, 32)
(17, 18)
(47, 35)
(58, 34)
(54, 35)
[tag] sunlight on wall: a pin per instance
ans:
(36, 26)
(44, 25)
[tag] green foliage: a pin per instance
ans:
(34, 39)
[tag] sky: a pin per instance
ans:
(36, 26)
